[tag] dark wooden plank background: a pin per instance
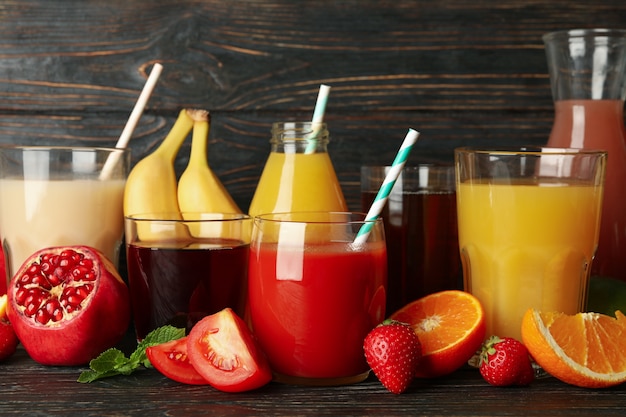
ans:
(461, 72)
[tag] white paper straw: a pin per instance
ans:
(318, 117)
(135, 115)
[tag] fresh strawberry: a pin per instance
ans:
(505, 361)
(393, 351)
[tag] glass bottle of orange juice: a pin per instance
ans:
(298, 174)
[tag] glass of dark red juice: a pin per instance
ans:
(184, 267)
(420, 223)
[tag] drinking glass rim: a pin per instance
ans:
(349, 215)
(527, 150)
(584, 33)
(81, 148)
(170, 217)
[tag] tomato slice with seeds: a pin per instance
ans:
(222, 349)
(170, 358)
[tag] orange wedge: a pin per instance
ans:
(585, 349)
(450, 326)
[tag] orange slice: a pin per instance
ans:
(450, 326)
(585, 349)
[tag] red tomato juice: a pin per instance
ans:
(311, 310)
(599, 124)
(179, 285)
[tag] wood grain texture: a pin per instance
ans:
(31, 389)
(460, 72)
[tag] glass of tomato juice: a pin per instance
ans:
(314, 294)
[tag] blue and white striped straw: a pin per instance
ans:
(318, 117)
(385, 189)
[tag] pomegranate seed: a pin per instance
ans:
(89, 276)
(34, 269)
(54, 310)
(31, 309)
(80, 272)
(74, 301)
(58, 276)
(82, 291)
(27, 278)
(20, 295)
(42, 316)
(42, 282)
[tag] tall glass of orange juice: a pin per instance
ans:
(529, 222)
(298, 175)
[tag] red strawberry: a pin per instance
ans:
(393, 351)
(505, 361)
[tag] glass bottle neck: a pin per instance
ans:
(299, 137)
(587, 64)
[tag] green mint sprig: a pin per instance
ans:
(113, 362)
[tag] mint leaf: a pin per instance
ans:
(109, 359)
(113, 362)
(90, 376)
(155, 337)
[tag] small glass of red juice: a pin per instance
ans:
(314, 294)
(420, 222)
(182, 268)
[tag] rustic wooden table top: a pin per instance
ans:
(27, 388)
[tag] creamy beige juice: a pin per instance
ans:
(36, 214)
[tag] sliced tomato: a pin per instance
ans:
(171, 360)
(224, 352)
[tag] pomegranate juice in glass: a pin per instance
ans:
(180, 271)
(314, 295)
(420, 221)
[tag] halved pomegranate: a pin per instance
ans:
(68, 304)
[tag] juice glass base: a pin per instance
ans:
(320, 382)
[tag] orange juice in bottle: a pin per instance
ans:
(298, 174)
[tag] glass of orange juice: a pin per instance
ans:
(528, 223)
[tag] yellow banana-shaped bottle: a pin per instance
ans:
(150, 189)
(199, 189)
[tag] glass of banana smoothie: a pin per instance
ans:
(58, 196)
